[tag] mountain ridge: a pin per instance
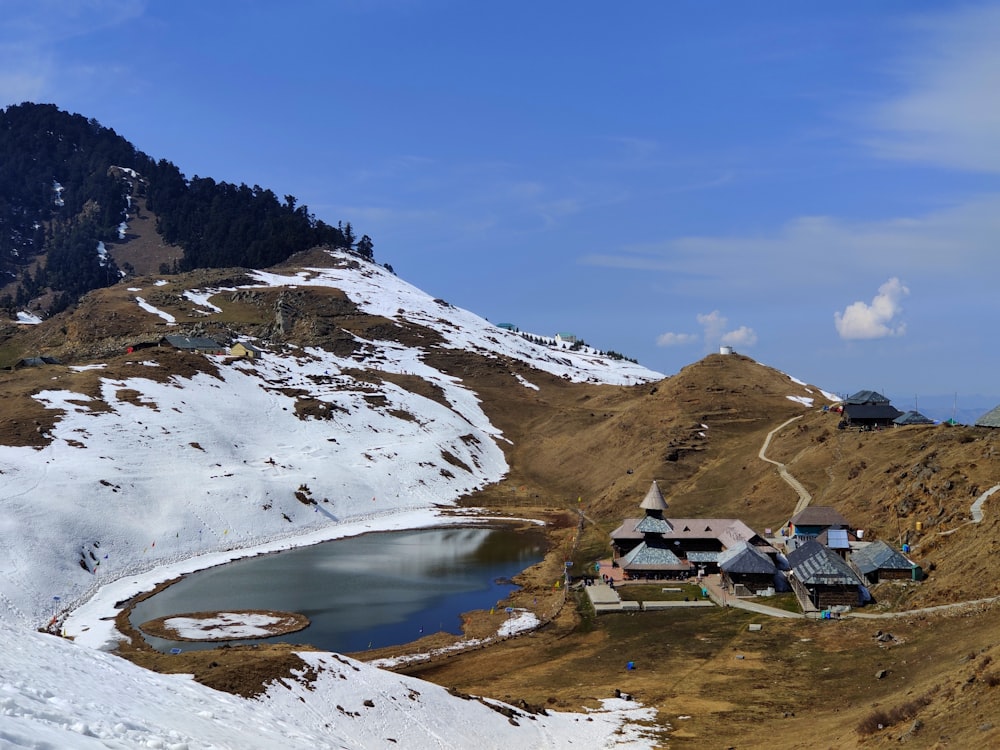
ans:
(375, 402)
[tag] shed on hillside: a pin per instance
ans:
(820, 577)
(879, 561)
(868, 410)
(911, 417)
(744, 567)
(35, 362)
(245, 350)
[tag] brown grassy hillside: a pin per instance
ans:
(936, 683)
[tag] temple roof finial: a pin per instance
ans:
(654, 499)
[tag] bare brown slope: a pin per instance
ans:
(697, 433)
(891, 481)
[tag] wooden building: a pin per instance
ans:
(879, 561)
(820, 577)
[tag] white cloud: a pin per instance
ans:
(714, 326)
(714, 323)
(742, 336)
(947, 112)
(676, 339)
(877, 320)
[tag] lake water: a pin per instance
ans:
(363, 592)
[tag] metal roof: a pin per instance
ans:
(871, 411)
(653, 525)
(866, 397)
(646, 557)
(654, 499)
(814, 564)
(818, 515)
(192, 342)
(990, 418)
(745, 558)
(728, 531)
(703, 556)
(880, 555)
(912, 417)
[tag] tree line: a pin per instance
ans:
(59, 198)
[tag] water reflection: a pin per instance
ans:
(364, 592)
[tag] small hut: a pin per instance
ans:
(746, 570)
(879, 561)
(819, 576)
(911, 417)
(245, 350)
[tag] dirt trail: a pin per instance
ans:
(804, 497)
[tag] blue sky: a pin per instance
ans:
(814, 184)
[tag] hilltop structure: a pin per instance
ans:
(911, 417)
(868, 410)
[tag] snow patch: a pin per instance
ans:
(149, 308)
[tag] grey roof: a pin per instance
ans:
(819, 515)
(745, 558)
(654, 499)
(814, 564)
(990, 418)
(866, 397)
(653, 525)
(646, 557)
(728, 531)
(192, 342)
(37, 361)
(703, 556)
(880, 555)
(871, 411)
(912, 417)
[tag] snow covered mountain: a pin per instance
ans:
(150, 462)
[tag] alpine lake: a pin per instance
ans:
(364, 592)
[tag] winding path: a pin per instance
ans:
(976, 511)
(804, 497)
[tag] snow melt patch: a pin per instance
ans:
(156, 311)
(521, 621)
(804, 400)
(222, 626)
(201, 299)
(526, 383)
(28, 318)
